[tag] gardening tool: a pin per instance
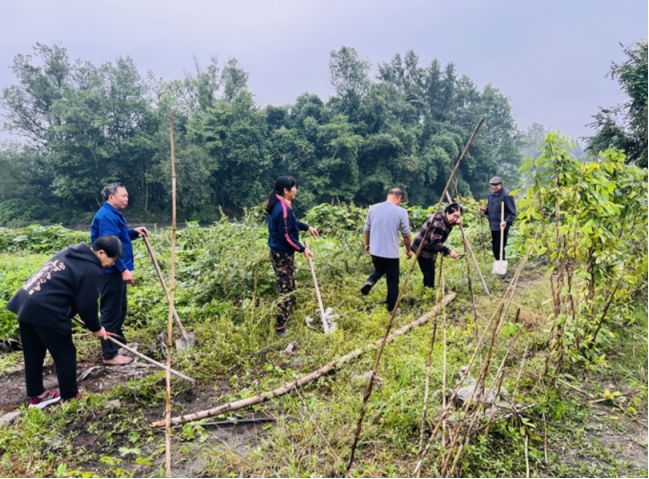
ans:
(327, 316)
(187, 339)
(137, 353)
(500, 266)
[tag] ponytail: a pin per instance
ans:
(282, 183)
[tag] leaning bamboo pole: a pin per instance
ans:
(172, 291)
(309, 377)
(379, 355)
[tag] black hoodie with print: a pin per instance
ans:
(67, 285)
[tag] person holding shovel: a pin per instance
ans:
(493, 211)
(67, 285)
(109, 220)
(431, 238)
(284, 241)
(382, 226)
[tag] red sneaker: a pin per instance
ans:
(78, 396)
(50, 397)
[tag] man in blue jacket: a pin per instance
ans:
(497, 196)
(109, 220)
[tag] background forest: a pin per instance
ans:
(399, 124)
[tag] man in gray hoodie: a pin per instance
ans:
(498, 196)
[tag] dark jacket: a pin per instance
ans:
(284, 229)
(68, 284)
(493, 208)
(431, 237)
(110, 221)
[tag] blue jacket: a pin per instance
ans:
(109, 221)
(284, 229)
(493, 208)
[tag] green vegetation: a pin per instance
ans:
(89, 125)
(226, 294)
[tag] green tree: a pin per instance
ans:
(624, 126)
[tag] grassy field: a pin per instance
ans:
(589, 420)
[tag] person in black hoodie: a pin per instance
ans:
(284, 241)
(67, 285)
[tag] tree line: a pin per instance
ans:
(400, 124)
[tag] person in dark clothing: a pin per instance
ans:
(431, 238)
(109, 220)
(284, 241)
(498, 196)
(67, 285)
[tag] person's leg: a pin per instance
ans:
(392, 278)
(284, 266)
(112, 308)
(60, 345)
(495, 244)
(34, 353)
(427, 266)
(379, 271)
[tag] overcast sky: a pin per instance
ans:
(550, 57)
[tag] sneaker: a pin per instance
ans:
(397, 313)
(118, 360)
(280, 329)
(74, 398)
(365, 290)
(50, 397)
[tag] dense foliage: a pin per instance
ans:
(88, 125)
(624, 126)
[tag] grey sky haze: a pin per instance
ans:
(550, 58)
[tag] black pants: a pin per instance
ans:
(113, 311)
(495, 243)
(37, 340)
(427, 266)
(390, 268)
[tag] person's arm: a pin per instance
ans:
(135, 233)
(85, 300)
(407, 242)
(435, 237)
(366, 229)
(290, 239)
(510, 210)
(367, 242)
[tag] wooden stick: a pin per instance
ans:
(170, 298)
(475, 261)
(164, 287)
(368, 391)
(325, 326)
(305, 379)
(527, 459)
(146, 358)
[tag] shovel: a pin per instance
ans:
(500, 266)
(188, 340)
(327, 317)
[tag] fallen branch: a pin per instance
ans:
(305, 379)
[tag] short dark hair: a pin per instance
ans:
(111, 189)
(452, 208)
(111, 245)
(396, 192)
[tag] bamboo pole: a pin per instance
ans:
(368, 391)
(146, 358)
(170, 298)
(305, 379)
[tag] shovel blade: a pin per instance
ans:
(500, 268)
(183, 343)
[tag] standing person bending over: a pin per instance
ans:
(283, 240)
(382, 226)
(68, 284)
(498, 196)
(109, 220)
(431, 238)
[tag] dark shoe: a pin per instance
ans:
(367, 287)
(280, 329)
(78, 396)
(50, 397)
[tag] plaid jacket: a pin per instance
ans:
(433, 242)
